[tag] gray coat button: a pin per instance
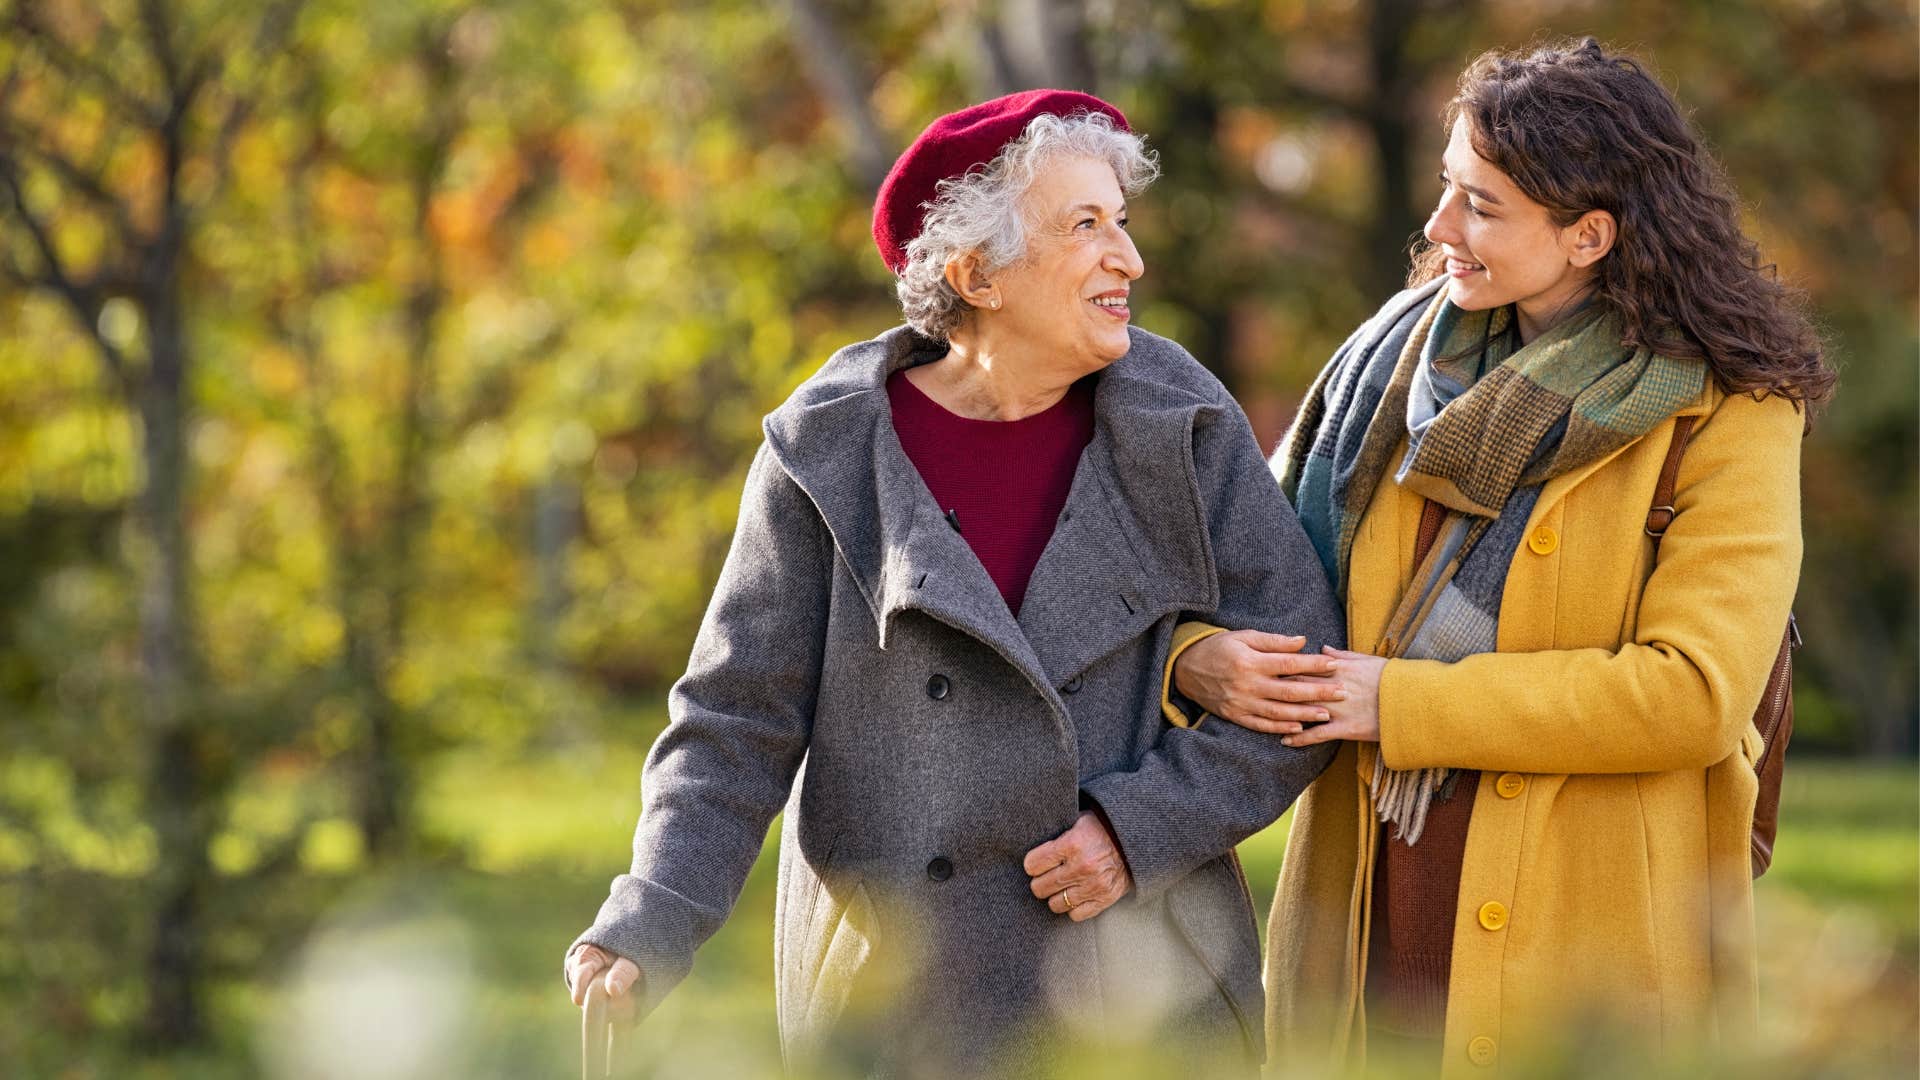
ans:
(940, 869)
(938, 687)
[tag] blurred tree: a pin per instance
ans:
(377, 379)
(117, 133)
(373, 512)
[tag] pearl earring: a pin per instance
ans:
(996, 303)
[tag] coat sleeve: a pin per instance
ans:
(738, 727)
(1203, 789)
(1681, 693)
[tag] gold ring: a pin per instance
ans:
(1066, 899)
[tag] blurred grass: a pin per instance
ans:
(530, 843)
(1850, 836)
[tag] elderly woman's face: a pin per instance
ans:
(1069, 295)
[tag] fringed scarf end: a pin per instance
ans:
(1401, 799)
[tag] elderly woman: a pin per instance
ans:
(1537, 832)
(961, 555)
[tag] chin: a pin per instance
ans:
(1467, 298)
(1108, 354)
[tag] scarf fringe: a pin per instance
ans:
(1401, 798)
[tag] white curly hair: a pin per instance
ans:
(982, 212)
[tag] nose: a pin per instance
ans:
(1123, 257)
(1443, 225)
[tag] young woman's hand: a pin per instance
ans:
(1356, 715)
(1257, 680)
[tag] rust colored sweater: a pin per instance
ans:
(1416, 895)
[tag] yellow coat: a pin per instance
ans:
(1613, 731)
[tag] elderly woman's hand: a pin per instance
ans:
(1081, 872)
(1356, 717)
(1252, 678)
(588, 961)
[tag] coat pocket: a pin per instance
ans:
(838, 951)
(1214, 914)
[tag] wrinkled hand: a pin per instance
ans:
(1080, 873)
(1258, 680)
(589, 961)
(1357, 716)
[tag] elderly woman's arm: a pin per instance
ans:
(739, 724)
(1203, 789)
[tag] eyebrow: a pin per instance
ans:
(1094, 207)
(1484, 196)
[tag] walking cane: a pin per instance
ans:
(602, 1038)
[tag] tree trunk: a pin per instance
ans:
(1191, 129)
(381, 779)
(384, 776)
(1045, 42)
(556, 525)
(179, 785)
(1394, 221)
(841, 79)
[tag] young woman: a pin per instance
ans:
(1537, 824)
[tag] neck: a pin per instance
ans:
(979, 382)
(1540, 314)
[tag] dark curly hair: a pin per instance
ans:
(1579, 128)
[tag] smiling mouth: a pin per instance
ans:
(1462, 268)
(1115, 306)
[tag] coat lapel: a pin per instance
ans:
(835, 437)
(1108, 573)
(1131, 545)
(929, 568)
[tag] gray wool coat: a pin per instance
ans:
(858, 667)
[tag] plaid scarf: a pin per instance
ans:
(1488, 422)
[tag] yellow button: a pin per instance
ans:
(1481, 1051)
(1493, 915)
(1510, 785)
(1543, 540)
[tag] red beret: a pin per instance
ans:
(954, 144)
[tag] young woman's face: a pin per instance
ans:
(1501, 246)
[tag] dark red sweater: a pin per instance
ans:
(1004, 481)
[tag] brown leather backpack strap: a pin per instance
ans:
(1660, 514)
(1432, 516)
(1773, 718)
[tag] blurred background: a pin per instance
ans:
(377, 380)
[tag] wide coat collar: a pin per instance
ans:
(1130, 546)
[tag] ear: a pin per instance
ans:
(964, 275)
(1588, 240)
